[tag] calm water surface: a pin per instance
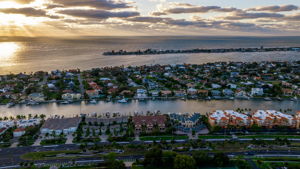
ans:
(34, 54)
(163, 106)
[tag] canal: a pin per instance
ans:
(70, 110)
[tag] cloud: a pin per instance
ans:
(32, 12)
(98, 14)
(146, 19)
(24, 1)
(200, 23)
(293, 17)
(99, 4)
(246, 15)
(188, 8)
(275, 8)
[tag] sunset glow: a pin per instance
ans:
(148, 17)
(8, 53)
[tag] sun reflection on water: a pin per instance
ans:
(8, 51)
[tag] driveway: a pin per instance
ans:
(69, 139)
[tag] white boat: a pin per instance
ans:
(294, 98)
(32, 103)
(93, 101)
(11, 104)
(267, 99)
(122, 100)
(65, 102)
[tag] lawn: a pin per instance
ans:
(53, 141)
(87, 140)
(214, 137)
(46, 154)
(271, 136)
(157, 138)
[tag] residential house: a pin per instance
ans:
(257, 91)
(71, 96)
(37, 97)
(19, 132)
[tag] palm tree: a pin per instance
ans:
(42, 116)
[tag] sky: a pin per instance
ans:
(149, 17)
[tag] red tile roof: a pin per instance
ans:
(19, 130)
(149, 120)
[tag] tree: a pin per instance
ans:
(184, 162)
(112, 163)
(201, 158)
(42, 116)
(221, 160)
(153, 157)
(168, 159)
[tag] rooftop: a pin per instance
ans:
(61, 123)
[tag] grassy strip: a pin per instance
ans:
(277, 158)
(46, 154)
(271, 136)
(214, 137)
(157, 138)
(53, 141)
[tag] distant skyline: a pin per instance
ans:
(149, 17)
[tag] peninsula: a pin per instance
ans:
(218, 50)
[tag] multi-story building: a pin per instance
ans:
(228, 117)
(271, 118)
(149, 123)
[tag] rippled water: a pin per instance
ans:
(33, 54)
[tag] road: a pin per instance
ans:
(12, 156)
(80, 85)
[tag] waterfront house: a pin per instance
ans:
(141, 94)
(192, 91)
(166, 93)
(287, 91)
(215, 93)
(228, 92)
(241, 94)
(154, 93)
(203, 93)
(257, 91)
(92, 93)
(71, 96)
(179, 93)
(37, 97)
